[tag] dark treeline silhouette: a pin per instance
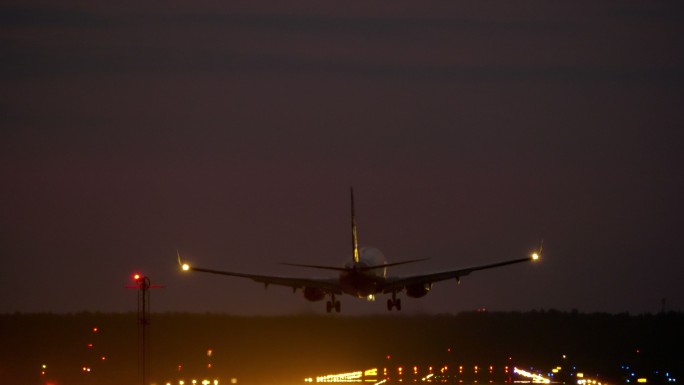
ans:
(290, 348)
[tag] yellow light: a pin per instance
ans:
(535, 256)
(580, 375)
(537, 379)
(185, 267)
(642, 380)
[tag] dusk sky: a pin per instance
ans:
(232, 131)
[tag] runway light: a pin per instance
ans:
(534, 377)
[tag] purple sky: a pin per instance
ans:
(233, 131)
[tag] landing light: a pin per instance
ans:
(185, 267)
(535, 256)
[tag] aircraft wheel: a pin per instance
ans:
(337, 306)
(397, 303)
(390, 304)
(328, 306)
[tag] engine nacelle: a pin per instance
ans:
(313, 294)
(417, 291)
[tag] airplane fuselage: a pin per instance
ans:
(361, 282)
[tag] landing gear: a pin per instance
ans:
(332, 304)
(394, 302)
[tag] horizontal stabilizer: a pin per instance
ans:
(359, 268)
(365, 268)
(334, 268)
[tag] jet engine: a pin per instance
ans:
(417, 291)
(313, 294)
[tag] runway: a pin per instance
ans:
(453, 374)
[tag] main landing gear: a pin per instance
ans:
(394, 302)
(332, 304)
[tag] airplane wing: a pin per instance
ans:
(399, 283)
(329, 285)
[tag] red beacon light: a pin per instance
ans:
(142, 282)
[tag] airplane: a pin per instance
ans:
(364, 276)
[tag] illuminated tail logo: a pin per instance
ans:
(355, 238)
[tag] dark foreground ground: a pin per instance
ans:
(261, 349)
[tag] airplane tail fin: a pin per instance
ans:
(355, 238)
